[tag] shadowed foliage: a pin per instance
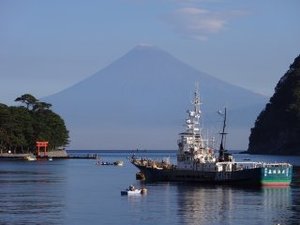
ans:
(21, 127)
(277, 128)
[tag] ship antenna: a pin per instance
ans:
(223, 133)
(197, 100)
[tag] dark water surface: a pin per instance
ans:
(77, 191)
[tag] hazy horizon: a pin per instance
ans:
(47, 46)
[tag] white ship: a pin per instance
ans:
(198, 162)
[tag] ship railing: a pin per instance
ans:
(254, 164)
(236, 162)
(242, 165)
(277, 164)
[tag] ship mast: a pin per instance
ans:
(197, 111)
(197, 101)
(193, 150)
(192, 121)
(223, 133)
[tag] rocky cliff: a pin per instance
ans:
(277, 128)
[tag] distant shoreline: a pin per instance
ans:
(52, 154)
(120, 151)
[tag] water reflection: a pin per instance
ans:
(228, 205)
(31, 194)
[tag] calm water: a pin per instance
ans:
(80, 192)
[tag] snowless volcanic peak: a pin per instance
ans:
(140, 101)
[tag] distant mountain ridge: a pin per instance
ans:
(139, 101)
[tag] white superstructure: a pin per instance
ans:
(195, 152)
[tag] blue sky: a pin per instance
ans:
(46, 46)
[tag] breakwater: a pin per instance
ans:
(60, 154)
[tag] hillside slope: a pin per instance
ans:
(277, 128)
(140, 101)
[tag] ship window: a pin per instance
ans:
(274, 171)
(278, 171)
(270, 171)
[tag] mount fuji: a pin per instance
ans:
(139, 101)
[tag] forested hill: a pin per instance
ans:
(21, 126)
(277, 128)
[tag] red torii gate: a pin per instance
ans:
(40, 144)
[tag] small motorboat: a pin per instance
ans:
(118, 163)
(131, 190)
(106, 163)
(30, 158)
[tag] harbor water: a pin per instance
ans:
(78, 191)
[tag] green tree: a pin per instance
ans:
(28, 99)
(41, 106)
(21, 127)
(4, 117)
(50, 127)
(277, 128)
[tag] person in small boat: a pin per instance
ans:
(131, 188)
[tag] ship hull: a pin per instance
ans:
(275, 176)
(197, 162)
